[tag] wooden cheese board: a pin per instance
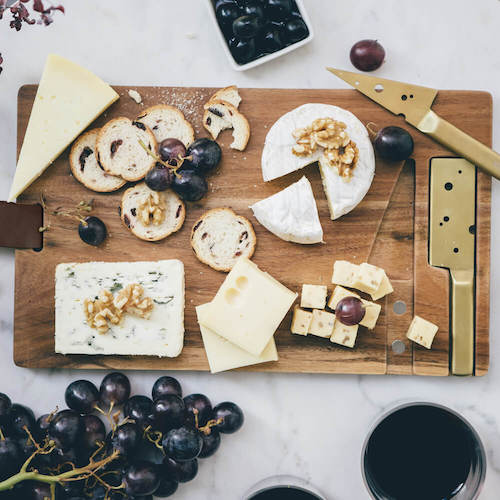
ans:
(389, 228)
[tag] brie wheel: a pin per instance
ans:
(278, 159)
(291, 214)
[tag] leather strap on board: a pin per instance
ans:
(20, 225)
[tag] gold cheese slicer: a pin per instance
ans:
(414, 103)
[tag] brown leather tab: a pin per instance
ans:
(20, 225)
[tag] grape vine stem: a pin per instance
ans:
(74, 474)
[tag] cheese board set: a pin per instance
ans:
(338, 259)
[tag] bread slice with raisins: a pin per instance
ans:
(85, 167)
(227, 94)
(139, 214)
(220, 236)
(119, 148)
(222, 115)
(167, 122)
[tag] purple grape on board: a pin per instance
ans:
(203, 155)
(393, 143)
(189, 185)
(350, 311)
(159, 178)
(172, 151)
(367, 55)
(92, 231)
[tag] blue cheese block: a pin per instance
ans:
(160, 335)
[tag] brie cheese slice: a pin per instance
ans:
(291, 214)
(68, 99)
(278, 160)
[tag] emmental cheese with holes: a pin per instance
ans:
(68, 99)
(249, 307)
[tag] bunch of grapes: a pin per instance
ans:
(153, 445)
(21, 14)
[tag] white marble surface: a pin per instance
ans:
(310, 426)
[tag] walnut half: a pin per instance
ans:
(152, 209)
(338, 149)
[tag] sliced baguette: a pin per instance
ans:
(120, 152)
(85, 167)
(227, 94)
(220, 237)
(175, 213)
(221, 115)
(167, 122)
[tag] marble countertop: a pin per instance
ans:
(311, 426)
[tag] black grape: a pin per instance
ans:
(139, 409)
(141, 478)
(93, 431)
(211, 443)
(81, 396)
(183, 444)
(126, 438)
(65, 428)
(169, 412)
(201, 403)
(115, 388)
(166, 385)
(231, 415)
(20, 417)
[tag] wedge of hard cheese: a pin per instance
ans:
(248, 308)
(68, 99)
(223, 355)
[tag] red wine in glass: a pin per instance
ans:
(423, 451)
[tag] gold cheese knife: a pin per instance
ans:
(414, 102)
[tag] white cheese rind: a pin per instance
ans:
(68, 99)
(160, 335)
(223, 355)
(291, 214)
(278, 159)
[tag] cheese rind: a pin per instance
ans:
(249, 307)
(301, 321)
(68, 99)
(422, 332)
(322, 323)
(344, 273)
(344, 335)
(160, 335)
(291, 214)
(222, 355)
(313, 296)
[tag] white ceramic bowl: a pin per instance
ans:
(269, 57)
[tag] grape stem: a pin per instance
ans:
(72, 475)
(161, 162)
(372, 130)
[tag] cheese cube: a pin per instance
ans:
(344, 335)
(384, 289)
(369, 278)
(372, 312)
(422, 331)
(301, 321)
(222, 355)
(160, 335)
(344, 273)
(322, 323)
(313, 296)
(338, 294)
(249, 307)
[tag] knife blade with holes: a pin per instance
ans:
(414, 103)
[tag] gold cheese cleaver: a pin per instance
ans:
(414, 103)
(451, 245)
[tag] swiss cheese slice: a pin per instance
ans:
(223, 355)
(68, 99)
(291, 214)
(248, 308)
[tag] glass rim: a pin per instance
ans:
(399, 406)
